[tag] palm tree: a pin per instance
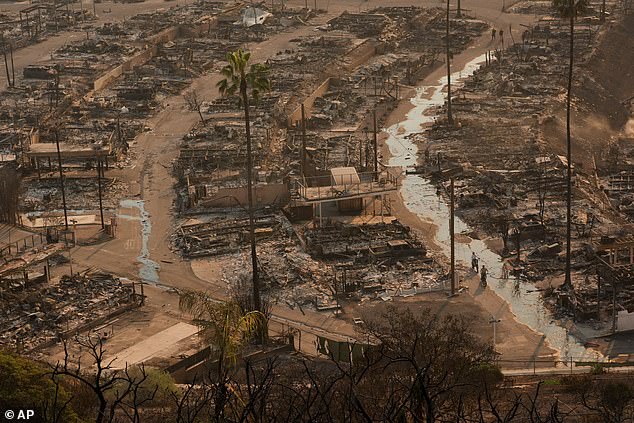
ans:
(239, 80)
(225, 327)
(222, 324)
(569, 9)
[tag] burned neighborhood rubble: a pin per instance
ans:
(315, 163)
(512, 105)
(37, 312)
(36, 22)
(316, 160)
(90, 99)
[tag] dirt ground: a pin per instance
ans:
(151, 181)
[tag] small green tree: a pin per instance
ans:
(612, 401)
(239, 80)
(27, 384)
(227, 329)
(223, 325)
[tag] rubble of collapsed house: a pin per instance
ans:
(37, 313)
(603, 292)
(35, 22)
(222, 236)
(349, 261)
(410, 28)
(212, 165)
(39, 309)
(518, 194)
(340, 261)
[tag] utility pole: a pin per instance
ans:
(598, 294)
(6, 64)
(518, 240)
(452, 240)
(12, 66)
(119, 129)
(61, 178)
(459, 12)
(494, 322)
(57, 70)
(568, 277)
(99, 174)
(70, 247)
(376, 144)
(303, 142)
(613, 306)
(449, 115)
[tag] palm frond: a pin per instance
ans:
(222, 324)
(235, 72)
(566, 8)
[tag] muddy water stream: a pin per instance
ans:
(420, 197)
(148, 271)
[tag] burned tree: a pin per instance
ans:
(194, 103)
(118, 392)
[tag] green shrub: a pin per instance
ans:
(157, 380)
(26, 384)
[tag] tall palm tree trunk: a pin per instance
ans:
(568, 279)
(449, 114)
(254, 257)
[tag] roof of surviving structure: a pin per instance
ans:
(344, 176)
(68, 151)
